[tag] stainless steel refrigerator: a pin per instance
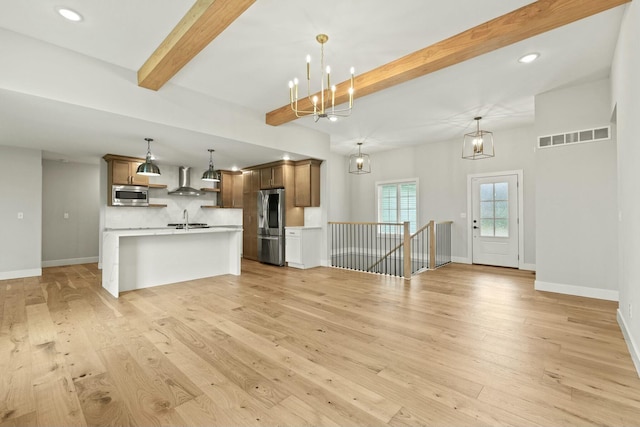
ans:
(271, 226)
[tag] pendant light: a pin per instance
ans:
(479, 144)
(359, 163)
(210, 174)
(148, 168)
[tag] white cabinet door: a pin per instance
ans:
(293, 249)
(302, 247)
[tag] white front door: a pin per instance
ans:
(495, 220)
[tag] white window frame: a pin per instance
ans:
(378, 185)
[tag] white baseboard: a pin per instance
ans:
(465, 260)
(579, 291)
(634, 350)
(19, 274)
(70, 261)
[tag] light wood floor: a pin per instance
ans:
(458, 346)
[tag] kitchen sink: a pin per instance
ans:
(182, 225)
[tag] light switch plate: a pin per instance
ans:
(20, 215)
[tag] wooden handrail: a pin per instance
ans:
(424, 227)
(386, 256)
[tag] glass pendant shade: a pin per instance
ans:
(359, 163)
(479, 144)
(148, 168)
(210, 174)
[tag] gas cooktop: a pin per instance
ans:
(191, 225)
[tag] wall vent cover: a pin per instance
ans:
(575, 137)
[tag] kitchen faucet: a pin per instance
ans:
(185, 216)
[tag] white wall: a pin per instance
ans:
(20, 191)
(626, 97)
(442, 182)
(576, 231)
(71, 188)
(339, 190)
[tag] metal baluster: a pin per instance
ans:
(360, 267)
(332, 243)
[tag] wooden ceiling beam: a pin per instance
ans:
(528, 21)
(203, 22)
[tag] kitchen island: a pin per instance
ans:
(141, 258)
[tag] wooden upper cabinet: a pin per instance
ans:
(307, 183)
(123, 171)
(246, 182)
(272, 177)
(120, 172)
(255, 181)
(230, 195)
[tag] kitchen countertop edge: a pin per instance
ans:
(171, 231)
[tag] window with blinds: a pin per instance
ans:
(397, 203)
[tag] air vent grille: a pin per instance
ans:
(575, 137)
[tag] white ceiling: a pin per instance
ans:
(251, 62)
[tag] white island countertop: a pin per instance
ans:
(144, 257)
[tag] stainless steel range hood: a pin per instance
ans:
(184, 183)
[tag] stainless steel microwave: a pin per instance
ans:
(129, 195)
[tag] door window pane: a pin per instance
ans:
(494, 209)
(502, 191)
(502, 209)
(486, 228)
(486, 192)
(486, 210)
(502, 227)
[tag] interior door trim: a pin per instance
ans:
(469, 224)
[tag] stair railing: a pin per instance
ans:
(387, 248)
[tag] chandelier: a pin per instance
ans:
(325, 105)
(479, 144)
(359, 163)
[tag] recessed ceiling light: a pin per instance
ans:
(286, 157)
(528, 58)
(69, 14)
(234, 168)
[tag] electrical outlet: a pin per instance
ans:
(66, 215)
(20, 215)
